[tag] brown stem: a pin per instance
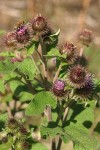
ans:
(44, 62)
(59, 144)
(9, 111)
(53, 144)
(57, 73)
(81, 51)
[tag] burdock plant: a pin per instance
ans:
(41, 79)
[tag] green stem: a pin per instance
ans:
(43, 53)
(64, 120)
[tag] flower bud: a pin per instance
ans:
(70, 50)
(39, 23)
(77, 76)
(58, 88)
(85, 37)
(21, 145)
(87, 90)
(40, 26)
(23, 131)
(10, 39)
(4, 139)
(12, 124)
(24, 34)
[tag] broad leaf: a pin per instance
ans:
(2, 86)
(8, 67)
(79, 130)
(38, 104)
(28, 68)
(38, 146)
(25, 96)
(51, 130)
(30, 50)
(3, 117)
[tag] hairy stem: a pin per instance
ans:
(57, 73)
(63, 121)
(9, 111)
(44, 62)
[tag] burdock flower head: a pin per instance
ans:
(70, 50)
(12, 124)
(40, 25)
(58, 88)
(20, 145)
(24, 34)
(77, 76)
(85, 37)
(87, 90)
(10, 39)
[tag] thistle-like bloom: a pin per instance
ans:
(77, 76)
(10, 39)
(24, 34)
(40, 25)
(85, 37)
(4, 139)
(70, 50)
(12, 124)
(58, 88)
(87, 90)
(20, 145)
(23, 131)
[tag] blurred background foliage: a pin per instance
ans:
(68, 15)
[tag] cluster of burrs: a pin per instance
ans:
(15, 135)
(78, 78)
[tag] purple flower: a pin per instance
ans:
(58, 88)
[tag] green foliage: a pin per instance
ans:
(7, 146)
(28, 68)
(2, 86)
(39, 103)
(51, 130)
(77, 129)
(38, 146)
(28, 87)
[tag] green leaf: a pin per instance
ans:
(38, 146)
(7, 146)
(15, 84)
(28, 68)
(8, 67)
(30, 50)
(2, 86)
(3, 117)
(7, 54)
(54, 52)
(79, 131)
(2, 32)
(7, 97)
(54, 36)
(51, 130)
(38, 104)
(25, 96)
